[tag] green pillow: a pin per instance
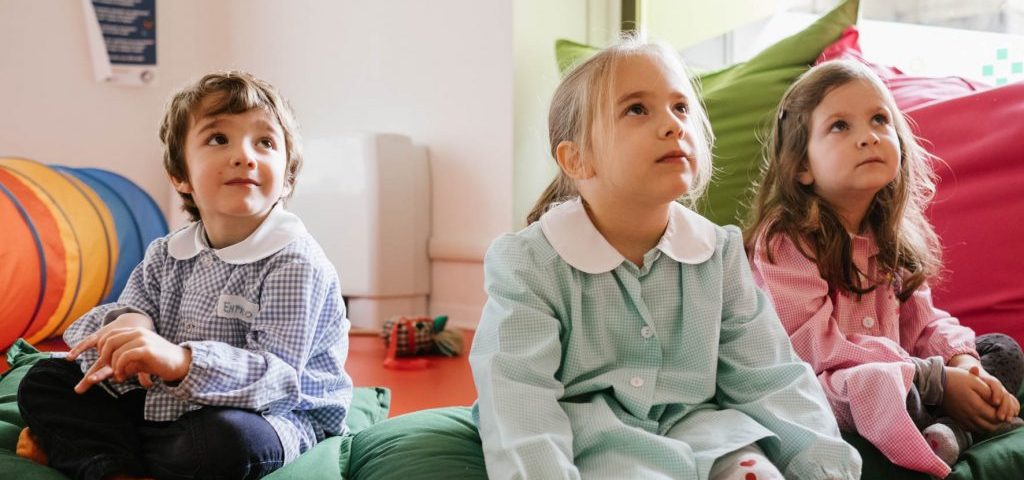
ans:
(428, 444)
(21, 356)
(443, 443)
(326, 460)
(329, 458)
(997, 458)
(741, 101)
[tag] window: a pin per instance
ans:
(977, 39)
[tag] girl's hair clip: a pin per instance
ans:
(782, 114)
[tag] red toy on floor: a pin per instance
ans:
(412, 336)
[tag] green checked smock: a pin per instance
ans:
(587, 366)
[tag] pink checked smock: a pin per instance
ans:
(859, 348)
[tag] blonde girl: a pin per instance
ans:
(623, 336)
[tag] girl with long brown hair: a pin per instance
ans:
(839, 240)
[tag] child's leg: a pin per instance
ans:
(918, 411)
(1001, 356)
(91, 435)
(213, 442)
(747, 463)
(946, 438)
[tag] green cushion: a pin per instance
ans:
(21, 356)
(994, 459)
(443, 443)
(429, 444)
(326, 460)
(741, 101)
(330, 458)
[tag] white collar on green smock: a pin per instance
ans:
(689, 237)
(277, 230)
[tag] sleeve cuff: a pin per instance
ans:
(810, 470)
(201, 362)
(930, 378)
(953, 350)
(828, 458)
(117, 312)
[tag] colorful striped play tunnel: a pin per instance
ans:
(71, 237)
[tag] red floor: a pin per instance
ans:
(446, 382)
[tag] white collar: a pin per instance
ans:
(689, 237)
(277, 230)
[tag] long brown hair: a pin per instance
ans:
(583, 99)
(908, 246)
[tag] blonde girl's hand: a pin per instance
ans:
(966, 400)
(126, 320)
(1007, 405)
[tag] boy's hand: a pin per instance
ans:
(127, 320)
(966, 400)
(136, 351)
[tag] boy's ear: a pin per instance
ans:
(182, 186)
(571, 160)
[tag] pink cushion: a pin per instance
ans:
(909, 91)
(978, 210)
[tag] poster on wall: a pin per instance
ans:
(122, 40)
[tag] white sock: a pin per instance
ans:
(946, 442)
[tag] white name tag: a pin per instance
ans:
(233, 306)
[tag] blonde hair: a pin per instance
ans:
(583, 98)
(232, 92)
(909, 251)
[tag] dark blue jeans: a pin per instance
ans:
(93, 435)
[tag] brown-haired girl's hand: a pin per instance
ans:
(966, 399)
(1007, 405)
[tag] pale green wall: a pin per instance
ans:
(536, 26)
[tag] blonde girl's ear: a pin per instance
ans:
(569, 157)
(182, 186)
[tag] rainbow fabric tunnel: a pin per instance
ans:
(69, 238)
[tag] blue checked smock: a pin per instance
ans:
(264, 320)
(587, 366)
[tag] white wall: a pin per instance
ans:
(440, 72)
(52, 111)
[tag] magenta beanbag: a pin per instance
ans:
(977, 133)
(909, 91)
